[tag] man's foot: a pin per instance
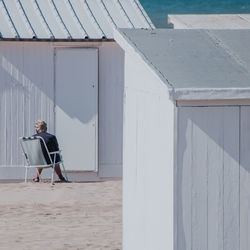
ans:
(62, 180)
(36, 179)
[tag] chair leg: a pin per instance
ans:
(26, 173)
(52, 177)
(65, 172)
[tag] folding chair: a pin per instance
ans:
(32, 149)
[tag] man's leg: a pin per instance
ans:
(38, 172)
(59, 172)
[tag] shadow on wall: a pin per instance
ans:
(208, 174)
(22, 103)
(16, 79)
(31, 70)
(76, 74)
(27, 91)
(30, 85)
(27, 83)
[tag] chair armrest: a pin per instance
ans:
(55, 152)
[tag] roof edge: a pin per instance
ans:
(144, 13)
(141, 54)
(184, 94)
(55, 40)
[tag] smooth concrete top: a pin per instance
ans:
(210, 21)
(197, 61)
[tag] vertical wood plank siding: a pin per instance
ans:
(26, 94)
(245, 178)
(213, 178)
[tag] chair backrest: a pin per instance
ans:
(32, 149)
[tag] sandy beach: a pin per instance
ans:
(63, 216)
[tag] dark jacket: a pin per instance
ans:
(52, 145)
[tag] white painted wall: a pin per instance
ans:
(213, 176)
(27, 94)
(244, 177)
(111, 86)
(206, 143)
(147, 158)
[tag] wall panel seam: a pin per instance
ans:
(239, 169)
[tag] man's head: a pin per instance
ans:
(41, 126)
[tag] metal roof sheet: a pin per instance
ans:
(195, 58)
(69, 19)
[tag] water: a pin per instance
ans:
(159, 9)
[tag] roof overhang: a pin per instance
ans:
(54, 40)
(183, 94)
(227, 55)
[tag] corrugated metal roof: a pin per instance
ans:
(69, 19)
(196, 59)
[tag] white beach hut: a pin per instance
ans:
(186, 160)
(59, 62)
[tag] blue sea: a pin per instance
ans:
(159, 9)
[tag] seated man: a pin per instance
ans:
(52, 145)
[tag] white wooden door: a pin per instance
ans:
(76, 99)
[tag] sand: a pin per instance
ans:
(63, 216)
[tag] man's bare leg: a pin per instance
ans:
(59, 172)
(38, 172)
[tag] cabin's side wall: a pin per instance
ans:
(111, 87)
(27, 94)
(213, 178)
(147, 158)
